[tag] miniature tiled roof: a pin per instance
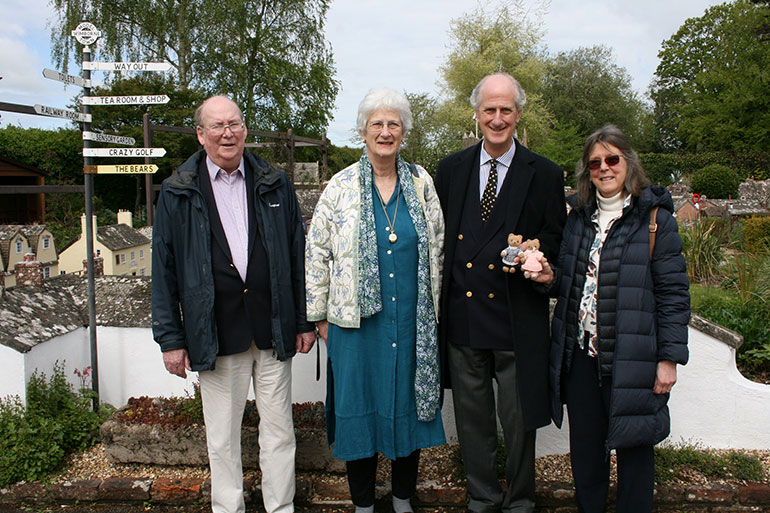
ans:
(120, 236)
(30, 316)
(146, 231)
(31, 232)
(7, 232)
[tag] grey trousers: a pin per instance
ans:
(473, 395)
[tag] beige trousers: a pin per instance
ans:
(224, 392)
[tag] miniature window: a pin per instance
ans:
(46, 272)
(46, 242)
(117, 259)
(122, 258)
(141, 254)
(143, 272)
(18, 246)
(133, 256)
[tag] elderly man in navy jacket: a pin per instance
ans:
(228, 299)
(494, 325)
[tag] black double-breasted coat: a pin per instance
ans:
(534, 208)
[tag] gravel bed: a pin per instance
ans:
(438, 466)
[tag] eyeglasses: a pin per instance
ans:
(378, 126)
(219, 129)
(610, 160)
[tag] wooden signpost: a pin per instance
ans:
(147, 99)
(124, 152)
(55, 112)
(107, 138)
(67, 79)
(127, 66)
(120, 169)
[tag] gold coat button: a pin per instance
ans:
(491, 296)
(491, 266)
(469, 293)
(469, 265)
(460, 236)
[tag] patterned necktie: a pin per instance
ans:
(490, 192)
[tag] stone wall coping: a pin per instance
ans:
(551, 496)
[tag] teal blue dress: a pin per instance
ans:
(370, 401)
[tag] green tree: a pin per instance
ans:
(271, 56)
(584, 88)
(711, 87)
(429, 139)
(508, 39)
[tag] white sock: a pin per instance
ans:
(402, 505)
(367, 509)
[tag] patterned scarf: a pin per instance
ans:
(426, 382)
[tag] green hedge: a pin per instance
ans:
(660, 166)
(756, 231)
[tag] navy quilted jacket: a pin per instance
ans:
(643, 310)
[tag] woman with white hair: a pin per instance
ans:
(374, 256)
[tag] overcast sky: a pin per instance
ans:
(395, 43)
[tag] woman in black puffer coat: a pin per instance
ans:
(620, 324)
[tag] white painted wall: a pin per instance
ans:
(11, 372)
(712, 403)
(71, 350)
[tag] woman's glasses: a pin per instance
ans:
(610, 160)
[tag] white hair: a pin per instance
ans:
(383, 98)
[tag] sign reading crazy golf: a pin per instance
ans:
(122, 169)
(140, 99)
(124, 152)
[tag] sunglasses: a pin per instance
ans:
(610, 160)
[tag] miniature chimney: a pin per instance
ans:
(124, 217)
(98, 265)
(28, 272)
(83, 224)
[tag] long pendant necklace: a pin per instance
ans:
(392, 237)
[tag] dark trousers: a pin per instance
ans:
(362, 475)
(472, 372)
(588, 405)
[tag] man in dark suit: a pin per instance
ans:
(228, 299)
(494, 324)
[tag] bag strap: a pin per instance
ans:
(653, 229)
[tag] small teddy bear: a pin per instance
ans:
(532, 256)
(511, 252)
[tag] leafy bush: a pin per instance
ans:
(716, 181)
(55, 422)
(703, 243)
(676, 460)
(751, 320)
(756, 231)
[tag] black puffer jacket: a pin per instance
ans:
(642, 313)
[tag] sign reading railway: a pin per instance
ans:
(55, 112)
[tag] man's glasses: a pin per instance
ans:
(219, 129)
(610, 160)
